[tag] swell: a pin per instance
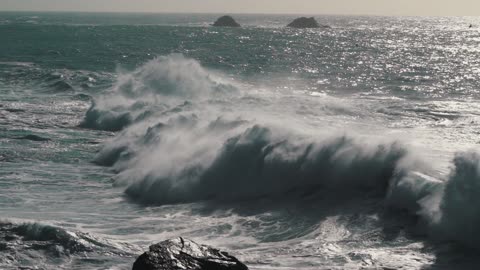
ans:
(40, 245)
(45, 80)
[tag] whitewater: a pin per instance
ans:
(353, 147)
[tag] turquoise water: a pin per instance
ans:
(339, 148)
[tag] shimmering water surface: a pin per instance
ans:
(353, 147)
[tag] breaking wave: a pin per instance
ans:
(186, 136)
(449, 209)
(460, 206)
(150, 88)
(255, 164)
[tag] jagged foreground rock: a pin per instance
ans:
(226, 21)
(181, 253)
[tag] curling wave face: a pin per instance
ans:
(255, 165)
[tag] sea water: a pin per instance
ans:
(352, 147)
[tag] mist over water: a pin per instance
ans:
(344, 148)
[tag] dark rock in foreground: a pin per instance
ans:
(226, 21)
(185, 254)
(305, 22)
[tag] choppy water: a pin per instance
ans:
(353, 147)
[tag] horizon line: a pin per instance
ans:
(229, 13)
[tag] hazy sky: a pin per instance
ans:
(377, 7)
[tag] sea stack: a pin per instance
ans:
(305, 22)
(226, 21)
(181, 253)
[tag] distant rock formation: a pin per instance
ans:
(226, 21)
(305, 22)
(181, 253)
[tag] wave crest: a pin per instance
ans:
(154, 87)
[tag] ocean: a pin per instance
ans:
(352, 147)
